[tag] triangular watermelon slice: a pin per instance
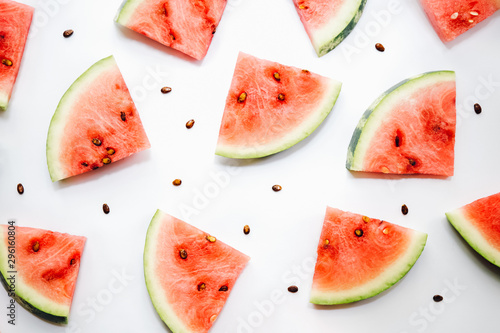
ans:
(410, 129)
(479, 224)
(270, 107)
(328, 22)
(359, 257)
(451, 18)
(189, 273)
(95, 123)
(187, 26)
(43, 267)
(15, 22)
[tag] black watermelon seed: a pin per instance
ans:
(477, 108)
(437, 298)
(68, 33)
(380, 47)
(183, 254)
(293, 289)
(123, 116)
(404, 209)
(20, 188)
(277, 188)
(224, 288)
(358, 232)
(246, 229)
(166, 90)
(105, 208)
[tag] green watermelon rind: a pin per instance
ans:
(387, 279)
(164, 310)
(29, 298)
(472, 236)
(295, 136)
(126, 10)
(57, 124)
(373, 117)
(4, 101)
(323, 41)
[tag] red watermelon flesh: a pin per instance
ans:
(15, 21)
(189, 293)
(359, 257)
(187, 26)
(47, 291)
(451, 18)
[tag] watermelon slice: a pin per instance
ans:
(328, 22)
(451, 18)
(189, 273)
(95, 123)
(15, 22)
(359, 257)
(270, 107)
(187, 26)
(479, 224)
(410, 129)
(43, 267)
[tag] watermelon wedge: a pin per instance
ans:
(479, 224)
(359, 257)
(189, 273)
(451, 18)
(43, 267)
(271, 107)
(328, 22)
(95, 123)
(410, 129)
(15, 22)
(187, 26)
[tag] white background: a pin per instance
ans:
(285, 225)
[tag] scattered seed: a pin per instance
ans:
(380, 47)
(183, 254)
(106, 160)
(366, 219)
(437, 298)
(404, 209)
(68, 33)
(211, 239)
(385, 231)
(224, 288)
(276, 188)
(85, 164)
(177, 182)
(105, 208)
(166, 90)
(242, 97)
(281, 97)
(96, 142)
(454, 16)
(110, 151)
(202, 286)
(246, 229)
(412, 161)
(7, 62)
(123, 116)
(276, 76)
(474, 13)
(477, 108)
(358, 232)
(190, 124)
(293, 289)
(20, 188)
(36, 246)
(72, 262)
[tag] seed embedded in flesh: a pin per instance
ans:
(68, 33)
(190, 124)
(471, 21)
(380, 47)
(477, 108)
(305, 71)
(474, 13)
(454, 16)
(211, 239)
(242, 97)
(176, 182)
(123, 116)
(398, 141)
(172, 36)
(224, 288)
(96, 142)
(326, 243)
(246, 229)
(183, 254)
(7, 62)
(404, 209)
(213, 318)
(281, 97)
(110, 151)
(36, 246)
(384, 170)
(437, 298)
(85, 164)
(366, 219)
(106, 160)
(277, 76)
(20, 188)
(385, 231)
(214, 30)
(202, 286)
(166, 90)
(105, 208)
(72, 262)
(303, 7)
(412, 162)
(276, 188)
(358, 232)
(293, 289)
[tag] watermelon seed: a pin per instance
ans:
(183, 254)
(404, 209)
(72, 262)
(454, 16)
(123, 116)
(190, 124)
(277, 188)
(68, 33)
(477, 108)
(105, 208)
(242, 97)
(110, 151)
(20, 188)
(412, 161)
(212, 319)
(358, 232)
(172, 36)
(246, 229)
(437, 298)
(471, 21)
(96, 142)
(202, 286)
(397, 141)
(293, 289)
(281, 97)
(366, 219)
(474, 13)
(7, 62)
(177, 182)
(106, 160)
(380, 47)
(214, 30)
(385, 231)
(94, 167)
(276, 76)
(85, 164)
(211, 239)
(303, 7)
(385, 170)
(305, 71)
(36, 246)
(224, 288)
(166, 90)
(326, 243)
